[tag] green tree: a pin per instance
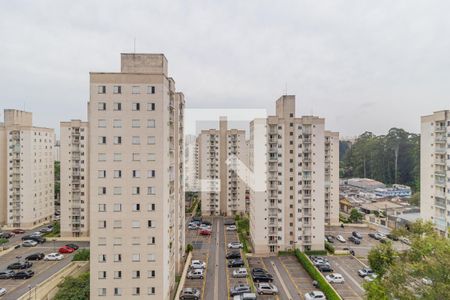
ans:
(189, 248)
(74, 288)
(355, 216)
(415, 199)
(82, 255)
(381, 258)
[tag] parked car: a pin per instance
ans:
(190, 293)
(319, 260)
(198, 264)
(365, 272)
(233, 255)
(357, 235)
(245, 296)
(18, 231)
(330, 239)
(205, 232)
(35, 238)
(383, 240)
(229, 222)
(7, 235)
(379, 236)
(239, 289)
(355, 240)
(6, 274)
(35, 256)
(235, 263)
(195, 274)
(315, 295)
(207, 223)
(372, 235)
(405, 240)
(392, 237)
(262, 277)
(37, 233)
(29, 243)
(46, 230)
(370, 277)
(266, 288)
(20, 265)
(240, 273)
(73, 246)
(196, 219)
(340, 238)
(235, 245)
(24, 274)
(65, 249)
(325, 268)
(335, 278)
(231, 228)
(2, 291)
(192, 226)
(53, 256)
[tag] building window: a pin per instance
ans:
(101, 241)
(101, 123)
(151, 140)
(135, 240)
(101, 89)
(135, 157)
(150, 224)
(136, 190)
(117, 156)
(101, 106)
(151, 89)
(135, 224)
(102, 140)
(117, 207)
(102, 292)
(117, 274)
(136, 207)
(151, 257)
(117, 292)
(117, 140)
(151, 240)
(151, 123)
(136, 140)
(151, 190)
(136, 291)
(102, 207)
(117, 224)
(136, 257)
(117, 123)
(151, 207)
(117, 89)
(117, 174)
(102, 258)
(151, 274)
(102, 224)
(117, 241)
(135, 89)
(136, 174)
(151, 291)
(117, 106)
(102, 190)
(101, 274)
(151, 156)
(101, 173)
(135, 123)
(117, 190)
(151, 173)
(151, 106)
(136, 274)
(136, 106)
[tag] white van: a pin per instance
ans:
(245, 296)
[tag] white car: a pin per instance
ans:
(405, 240)
(54, 256)
(29, 243)
(266, 288)
(198, 264)
(370, 277)
(231, 228)
(315, 295)
(335, 278)
(204, 226)
(2, 291)
(340, 238)
(240, 273)
(235, 245)
(37, 233)
(192, 226)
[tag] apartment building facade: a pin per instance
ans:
(223, 192)
(26, 171)
(300, 194)
(136, 181)
(435, 170)
(191, 172)
(74, 178)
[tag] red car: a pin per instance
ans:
(18, 231)
(205, 232)
(65, 249)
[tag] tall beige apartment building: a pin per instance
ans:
(222, 190)
(435, 170)
(26, 171)
(191, 172)
(300, 162)
(136, 180)
(74, 145)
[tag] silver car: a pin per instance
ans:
(195, 274)
(190, 294)
(266, 288)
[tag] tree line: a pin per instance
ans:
(391, 158)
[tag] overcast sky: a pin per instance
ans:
(363, 65)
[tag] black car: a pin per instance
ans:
(235, 263)
(372, 235)
(229, 222)
(37, 239)
(330, 238)
(262, 277)
(73, 246)
(6, 235)
(20, 265)
(392, 237)
(354, 240)
(23, 274)
(259, 271)
(196, 219)
(357, 235)
(325, 268)
(207, 223)
(6, 274)
(233, 255)
(35, 256)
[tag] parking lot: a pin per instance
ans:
(298, 275)
(43, 269)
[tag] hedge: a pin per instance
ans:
(329, 247)
(316, 252)
(324, 285)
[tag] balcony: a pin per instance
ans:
(440, 150)
(440, 129)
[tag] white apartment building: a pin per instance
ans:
(26, 171)
(136, 181)
(191, 176)
(435, 170)
(300, 193)
(222, 190)
(74, 185)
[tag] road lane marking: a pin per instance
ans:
(274, 266)
(265, 267)
(216, 271)
(290, 277)
(349, 276)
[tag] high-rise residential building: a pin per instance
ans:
(222, 190)
(26, 171)
(191, 164)
(136, 181)
(435, 170)
(74, 182)
(300, 193)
